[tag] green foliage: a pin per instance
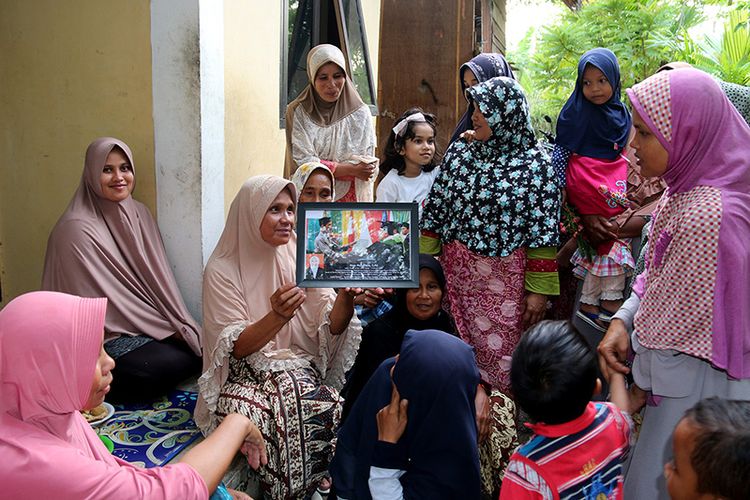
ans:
(644, 34)
(727, 56)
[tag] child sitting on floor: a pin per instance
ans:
(711, 446)
(578, 446)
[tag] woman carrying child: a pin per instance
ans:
(690, 334)
(409, 166)
(592, 132)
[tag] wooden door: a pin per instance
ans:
(422, 45)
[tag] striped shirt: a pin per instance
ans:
(580, 459)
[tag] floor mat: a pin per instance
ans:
(149, 435)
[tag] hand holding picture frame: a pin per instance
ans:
(363, 245)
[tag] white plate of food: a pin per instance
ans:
(99, 415)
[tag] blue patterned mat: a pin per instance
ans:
(152, 434)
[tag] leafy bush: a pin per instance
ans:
(644, 34)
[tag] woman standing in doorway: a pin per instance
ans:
(329, 122)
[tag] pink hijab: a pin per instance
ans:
(49, 345)
(240, 277)
(696, 293)
(101, 248)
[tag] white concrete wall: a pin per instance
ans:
(188, 93)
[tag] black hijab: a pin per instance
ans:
(484, 67)
(382, 338)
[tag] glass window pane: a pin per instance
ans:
(300, 33)
(358, 56)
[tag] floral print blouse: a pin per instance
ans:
(501, 194)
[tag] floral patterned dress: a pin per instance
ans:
(491, 202)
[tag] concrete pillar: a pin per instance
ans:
(187, 44)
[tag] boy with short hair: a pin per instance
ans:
(578, 446)
(711, 446)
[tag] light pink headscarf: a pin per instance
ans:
(101, 248)
(49, 345)
(240, 277)
(696, 291)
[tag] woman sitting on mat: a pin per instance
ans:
(273, 351)
(106, 244)
(52, 364)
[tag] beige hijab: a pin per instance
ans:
(240, 277)
(321, 112)
(101, 248)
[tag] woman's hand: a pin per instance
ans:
(534, 308)
(598, 229)
(365, 171)
(468, 135)
(286, 300)
(565, 253)
(392, 419)
(362, 171)
(613, 349)
(370, 298)
(351, 292)
(254, 447)
(482, 405)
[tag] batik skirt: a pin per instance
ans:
(298, 417)
(485, 298)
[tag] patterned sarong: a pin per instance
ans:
(298, 418)
(485, 297)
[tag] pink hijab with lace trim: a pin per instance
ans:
(49, 346)
(695, 296)
(101, 248)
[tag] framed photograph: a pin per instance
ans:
(362, 245)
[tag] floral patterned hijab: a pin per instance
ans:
(499, 195)
(303, 173)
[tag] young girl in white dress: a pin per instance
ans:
(410, 165)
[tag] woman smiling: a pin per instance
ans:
(415, 309)
(106, 244)
(274, 352)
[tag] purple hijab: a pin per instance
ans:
(484, 67)
(707, 144)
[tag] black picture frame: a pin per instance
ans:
(366, 245)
